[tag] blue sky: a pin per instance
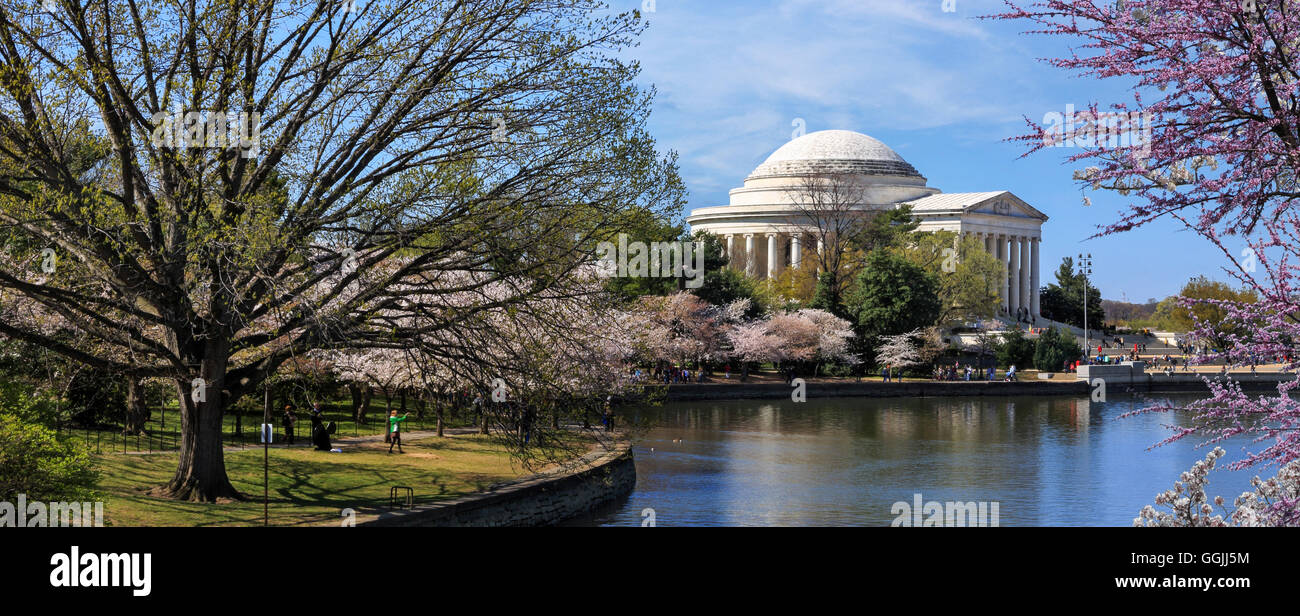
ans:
(944, 89)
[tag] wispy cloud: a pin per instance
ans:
(942, 88)
(732, 76)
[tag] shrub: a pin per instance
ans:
(1053, 350)
(1016, 349)
(27, 404)
(35, 463)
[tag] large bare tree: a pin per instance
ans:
(229, 184)
(834, 208)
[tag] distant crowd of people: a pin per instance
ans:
(970, 372)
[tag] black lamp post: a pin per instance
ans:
(1085, 269)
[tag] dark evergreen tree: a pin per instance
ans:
(1063, 300)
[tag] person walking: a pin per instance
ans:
(287, 422)
(395, 431)
(526, 418)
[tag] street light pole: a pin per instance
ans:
(266, 453)
(1085, 268)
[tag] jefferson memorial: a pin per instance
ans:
(762, 224)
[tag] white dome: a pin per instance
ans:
(834, 151)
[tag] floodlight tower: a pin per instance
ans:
(1085, 269)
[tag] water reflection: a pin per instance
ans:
(1048, 461)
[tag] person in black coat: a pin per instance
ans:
(320, 437)
(289, 420)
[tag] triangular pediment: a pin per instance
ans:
(1005, 204)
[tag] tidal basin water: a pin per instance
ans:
(1058, 461)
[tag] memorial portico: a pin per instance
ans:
(763, 234)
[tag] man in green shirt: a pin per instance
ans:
(395, 431)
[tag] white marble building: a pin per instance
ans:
(762, 220)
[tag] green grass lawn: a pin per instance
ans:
(307, 487)
(165, 422)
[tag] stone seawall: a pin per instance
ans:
(542, 500)
(1183, 383)
(1134, 373)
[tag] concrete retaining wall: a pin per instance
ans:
(1157, 383)
(537, 501)
(876, 389)
(1134, 373)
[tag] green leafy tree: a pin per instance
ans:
(726, 285)
(1054, 349)
(1183, 318)
(888, 229)
(722, 284)
(1163, 317)
(27, 403)
(826, 296)
(969, 277)
(1015, 349)
(649, 231)
(1063, 300)
(479, 149)
(930, 250)
(970, 285)
(34, 462)
(893, 296)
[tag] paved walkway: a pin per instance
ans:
(350, 441)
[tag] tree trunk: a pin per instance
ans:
(355, 390)
(439, 420)
(365, 404)
(201, 471)
(137, 411)
(483, 410)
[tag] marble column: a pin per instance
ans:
(1033, 279)
(796, 251)
(821, 250)
(1025, 291)
(1001, 245)
(749, 254)
(1013, 299)
(772, 251)
(731, 241)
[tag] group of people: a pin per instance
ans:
(958, 372)
(674, 374)
(1024, 315)
(320, 432)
